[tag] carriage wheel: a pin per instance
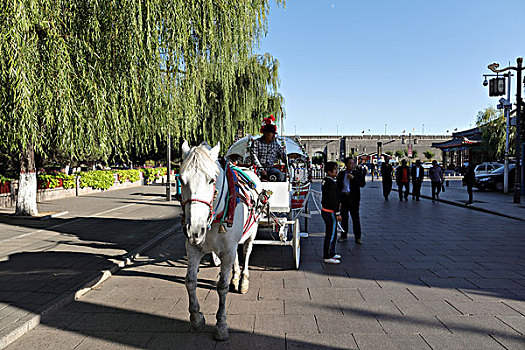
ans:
(215, 260)
(296, 243)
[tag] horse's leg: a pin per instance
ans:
(221, 328)
(236, 273)
(194, 258)
(247, 248)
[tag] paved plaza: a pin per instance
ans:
(427, 276)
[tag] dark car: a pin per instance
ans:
(494, 179)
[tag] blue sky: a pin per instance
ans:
(351, 65)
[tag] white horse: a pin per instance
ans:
(204, 189)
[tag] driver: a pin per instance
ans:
(266, 150)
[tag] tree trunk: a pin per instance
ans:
(27, 186)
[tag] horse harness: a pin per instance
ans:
(239, 189)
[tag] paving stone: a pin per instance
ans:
(182, 341)
(427, 293)
(459, 273)
(102, 322)
(474, 325)
(427, 307)
(47, 338)
(351, 307)
(289, 324)
(335, 294)
(498, 273)
(345, 324)
(484, 308)
(516, 322)
(516, 305)
(493, 283)
(242, 341)
(348, 282)
(256, 307)
(115, 340)
(510, 342)
(311, 307)
(492, 294)
(320, 341)
(461, 342)
(448, 282)
(285, 294)
(389, 342)
(386, 294)
(409, 324)
(401, 283)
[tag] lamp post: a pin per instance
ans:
(519, 68)
(506, 105)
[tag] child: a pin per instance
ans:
(330, 213)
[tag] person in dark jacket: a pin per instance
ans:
(386, 174)
(330, 213)
(403, 180)
(349, 183)
(417, 173)
(468, 180)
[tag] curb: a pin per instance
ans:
(468, 207)
(31, 320)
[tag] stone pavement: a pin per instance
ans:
(486, 201)
(427, 276)
(44, 263)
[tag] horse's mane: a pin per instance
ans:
(199, 159)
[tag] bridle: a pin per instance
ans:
(211, 212)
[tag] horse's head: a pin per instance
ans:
(198, 174)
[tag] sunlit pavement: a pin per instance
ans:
(427, 276)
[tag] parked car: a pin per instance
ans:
(486, 167)
(494, 180)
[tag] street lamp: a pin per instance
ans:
(517, 179)
(506, 105)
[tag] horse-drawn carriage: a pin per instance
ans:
(223, 206)
(289, 198)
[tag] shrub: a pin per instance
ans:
(151, 174)
(132, 175)
(97, 179)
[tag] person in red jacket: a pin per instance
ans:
(403, 180)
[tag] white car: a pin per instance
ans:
(486, 168)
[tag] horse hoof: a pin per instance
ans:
(197, 321)
(221, 333)
(245, 285)
(235, 285)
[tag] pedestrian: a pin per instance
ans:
(468, 180)
(330, 213)
(372, 170)
(386, 175)
(436, 178)
(417, 174)
(403, 180)
(349, 183)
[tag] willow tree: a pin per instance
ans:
(492, 125)
(93, 77)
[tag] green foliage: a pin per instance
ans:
(89, 79)
(4, 179)
(131, 175)
(56, 180)
(400, 153)
(493, 132)
(390, 153)
(97, 179)
(414, 153)
(428, 154)
(151, 174)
